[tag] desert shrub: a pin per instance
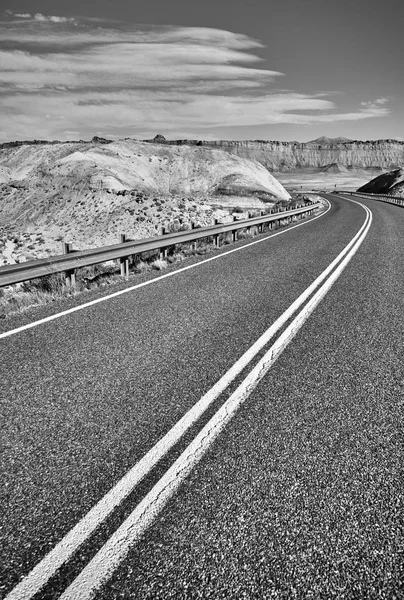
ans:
(203, 246)
(142, 266)
(50, 284)
(175, 257)
(159, 264)
(246, 233)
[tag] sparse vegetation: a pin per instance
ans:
(176, 216)
(159, 264)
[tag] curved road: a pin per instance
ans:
(300, 495)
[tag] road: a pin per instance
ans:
(299, 495)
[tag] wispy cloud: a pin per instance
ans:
(41, 18)
(374, 104)
(63, 74)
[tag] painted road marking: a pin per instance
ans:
(114, 551)
(150, 282)
(63, 551)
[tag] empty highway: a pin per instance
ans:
(232, 429)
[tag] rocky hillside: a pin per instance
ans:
(89, 192)
(127, 165)
(319, 153)
(387, 183)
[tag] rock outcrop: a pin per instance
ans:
(151, 168)
(391, 183)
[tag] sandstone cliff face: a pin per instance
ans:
(284, 156)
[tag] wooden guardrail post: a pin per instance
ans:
(70, 275)
(124, 260)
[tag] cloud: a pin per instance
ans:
(125, 79)
(52, 19)
(42, 18)
(374, 104)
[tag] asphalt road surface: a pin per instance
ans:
(300, 493)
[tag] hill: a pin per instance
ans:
(326, 141)
(89, 192)
(387, 183)
(128, 164)
(334, 168)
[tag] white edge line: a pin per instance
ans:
(99, 569)
(151, 281)
(42, 572)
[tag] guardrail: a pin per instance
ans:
(71, 260)
(382, 197)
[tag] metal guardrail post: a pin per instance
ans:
(163, 251)
(234, 231)
(70, 275)
(250, 217)
(261, 227)
(216, 240)
(270, 223)
(124, 260)
(193, 244)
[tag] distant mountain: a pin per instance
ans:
(281, 156)
(326, 141)
(387, 183)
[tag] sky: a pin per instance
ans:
(216, 69)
